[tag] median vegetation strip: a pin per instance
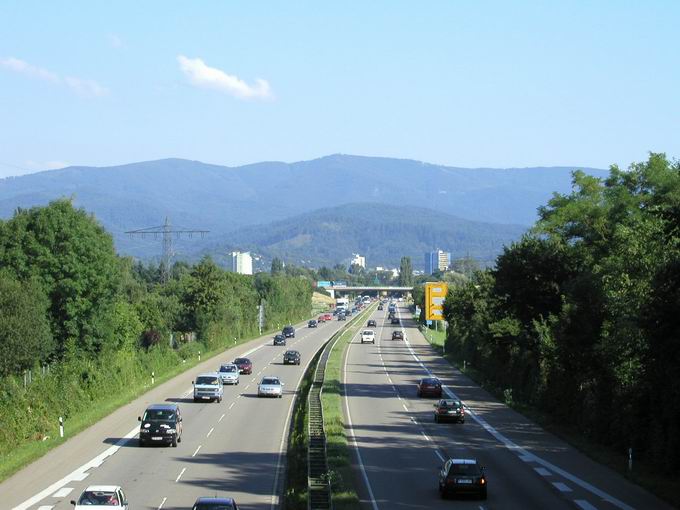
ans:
(296, 493)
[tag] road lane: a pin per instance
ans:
(401, 446)
(230, 448)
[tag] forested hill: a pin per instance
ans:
(222, 199)
(382, 233)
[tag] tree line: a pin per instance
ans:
(66, 294)
(581, 318)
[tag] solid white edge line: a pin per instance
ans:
(518, 450)
(364, 475)
(79, 473)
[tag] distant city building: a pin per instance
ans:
(358, 260)
(437, 261)
(240, 262)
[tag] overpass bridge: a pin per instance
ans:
(365, 289)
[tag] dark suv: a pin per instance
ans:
(279, 340)
(372, 323)
(430, 387)
(397, 335)
(161, 423)
(291, 358)
(288, 332)
(215, 504)
(462, 476)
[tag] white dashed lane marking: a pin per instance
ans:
(562, 487)
(210, 432)
(542, 471)
(162, 503)
(63, 492)
(180, 475)
(582, 503)
(199, 447)
(230, 406)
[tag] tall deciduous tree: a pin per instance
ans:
(405, 272)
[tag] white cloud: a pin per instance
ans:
(79, 85)
(22, 67)
(204, 76)
(45, 165)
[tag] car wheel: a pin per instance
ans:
(142, 443)
(195, 399)
(179, 439)
(419, 394)
(483, 493)
(174, 441)
(462, 421)
(436, 418)
(280, 396)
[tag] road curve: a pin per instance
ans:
(399, 448)
(234, 448)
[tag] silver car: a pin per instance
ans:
(270, 386)
(229, 373)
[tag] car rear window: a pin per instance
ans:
(464, 469)
(103, 498)
(430, 381)
(268, 380)
(228, 368)
(206, 380)
(241, 361)
(159, 415)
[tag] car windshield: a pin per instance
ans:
(206, 379)
(228, 368)
(241, 361)
(464, 469)
(271, 381)
(368, 332)
(288, 329)
(102, 498)
(279, 337)
(159, 415)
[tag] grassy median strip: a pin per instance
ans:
(343, 491)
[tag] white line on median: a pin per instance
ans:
(63, 492)
(562, 487)
(210, 432)
(162, 503)
(199, 447)
(180, 475)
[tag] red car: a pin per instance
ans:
(245, 366)
(321, 318)
(430, 387)
(328, 317)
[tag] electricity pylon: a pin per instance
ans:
(167, 232)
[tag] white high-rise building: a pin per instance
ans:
(358, 260)
(240, 262)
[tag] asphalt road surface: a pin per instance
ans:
(235, 448)
(400, 449)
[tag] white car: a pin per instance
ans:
(270, 386)
(368, 336)
(208, 387)
(228, 373)
(109, 497)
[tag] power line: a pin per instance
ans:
(167, 232)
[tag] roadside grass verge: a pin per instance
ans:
(84, 394)
(343, 491)
(665, 487)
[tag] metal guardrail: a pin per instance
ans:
(318, 482)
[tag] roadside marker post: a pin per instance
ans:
(630, 459)
(61, 426)
(199, 355)
(153, 378)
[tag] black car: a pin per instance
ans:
(312, 324)
(397, 335)
(372, 323)
(215, 504)
(395, 320)
(162, 424)
(342, 317)
(291, 358)
(279, 340)
(462, 476)
(288, 332)
(381, 307)
(430, 387)
(449, 410)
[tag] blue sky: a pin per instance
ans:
(463, 83)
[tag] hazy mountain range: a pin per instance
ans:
(378, 194)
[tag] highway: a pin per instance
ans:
(235, 448)
(399, 449)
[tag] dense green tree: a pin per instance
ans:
(73, 258)
(405, 272)
(277, 266)
(25, 336)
